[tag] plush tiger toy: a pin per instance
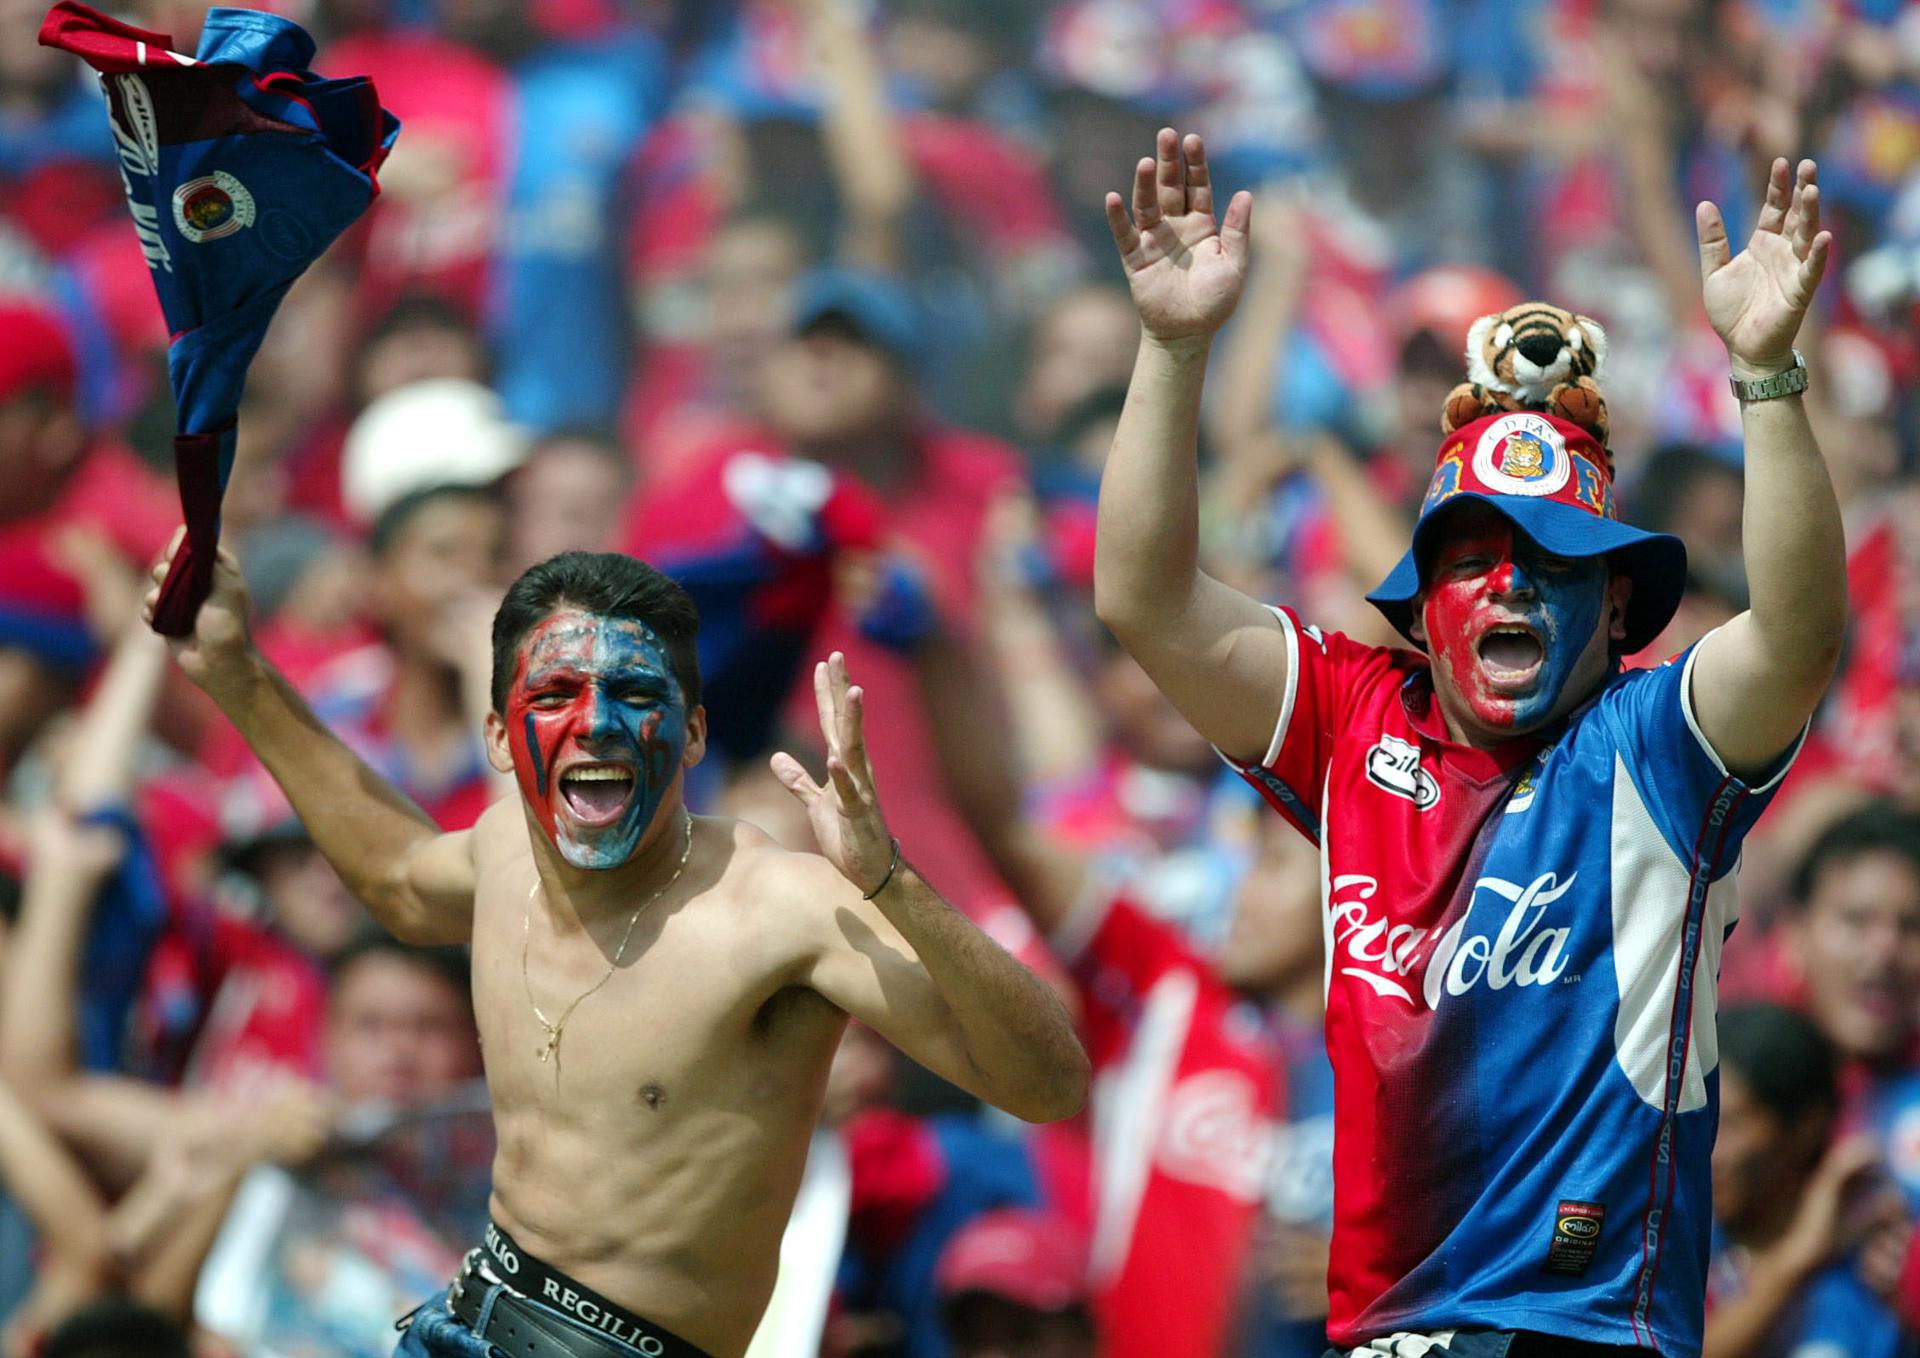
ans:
(1532, 357)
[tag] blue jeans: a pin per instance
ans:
(435, 1333)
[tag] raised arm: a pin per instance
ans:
(1219, 655)
(417, 881)
(68, 864)
(1757, 679)
(862, 137)
(905, 962)
(53, 1192)
(109, 1121)
(971, 745)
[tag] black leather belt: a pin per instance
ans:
(519, 1329)
(522, 1328)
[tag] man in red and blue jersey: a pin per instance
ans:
(1527, 853)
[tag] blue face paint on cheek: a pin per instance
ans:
(637, 716)
(1567, 604)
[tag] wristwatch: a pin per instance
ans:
(1789, 383)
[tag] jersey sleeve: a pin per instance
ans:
(1324, 670)
(1701, 809)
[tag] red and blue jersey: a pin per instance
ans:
(1522, 947)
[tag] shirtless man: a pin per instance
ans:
(1527, 852)
(659, 995)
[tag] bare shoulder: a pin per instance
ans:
(500, 835)
(786, 898)
(763, 873)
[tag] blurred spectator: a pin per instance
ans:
(566, 496)
(1187, 1078)
(411, 703)
(840, 392)
(399, 1022)
(1083, 342)
(54, 476)
(1013, 1284)
(115, 1329)
(1854, 936)
(1852, 941)
(917, 1178)
(1697, 496)
(417, 339)
(1798, 1215)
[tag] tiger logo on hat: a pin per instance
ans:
(1522, 454)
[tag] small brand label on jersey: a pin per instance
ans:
(1576, 1237)
(1393, 765)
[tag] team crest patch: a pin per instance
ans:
(1393, 765)
(212, 206)
(1522, 454)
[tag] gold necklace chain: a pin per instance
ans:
(554, 1027)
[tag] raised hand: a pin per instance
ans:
(1185, 272)
(219, 649)
(844, 811)
(1757, 299)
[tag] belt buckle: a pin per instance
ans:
(470, 1266)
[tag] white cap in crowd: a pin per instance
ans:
(442, 431)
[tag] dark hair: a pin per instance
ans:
(1669, 478)
(1877, 827)
(420, 311)
(1426, 354)
(610, 584)
(395, 517)
(448, 965)
(604, 444)
(1782, 1057)
(117, 1327)
(958, 1315)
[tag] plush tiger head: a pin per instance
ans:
(1528, 350)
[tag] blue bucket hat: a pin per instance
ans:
(1552, 482)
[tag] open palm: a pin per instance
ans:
(1757, 299)
(1185, 271)
(844, 811)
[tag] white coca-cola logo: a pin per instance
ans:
(1392, 959)
(1214, 1134)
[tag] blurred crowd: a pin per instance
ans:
(811, 304)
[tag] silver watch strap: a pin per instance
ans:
(1788, 383)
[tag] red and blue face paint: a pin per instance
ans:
(598, 725)
(1509, 622)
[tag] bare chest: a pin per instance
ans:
(691, 1016)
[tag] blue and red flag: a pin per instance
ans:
(241, 167)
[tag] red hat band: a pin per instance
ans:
(1523, 454)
